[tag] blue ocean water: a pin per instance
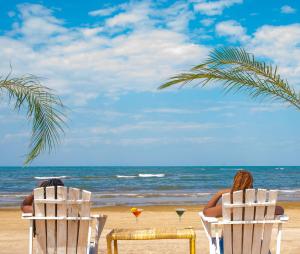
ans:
(146, 185)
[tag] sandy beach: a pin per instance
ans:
(14, 231)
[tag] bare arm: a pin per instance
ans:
(26, 205)
(212, 209)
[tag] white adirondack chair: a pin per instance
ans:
(63, 223)
(246, 227)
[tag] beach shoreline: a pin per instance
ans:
(15, 230)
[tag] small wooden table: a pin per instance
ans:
(149, 234)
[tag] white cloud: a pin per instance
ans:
(156, 126)
(233, 30)
(187, 111)
(38, 24)
(207, 22)
(95, 59)
(105, 11)
(212, 8)
(17, 135)
(136, 16)
(140, 141)
(286, 9)
(270, 107)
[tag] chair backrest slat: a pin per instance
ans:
(40, 225)
(73, 211)
(84, 225)
(270, 214)
(248, 216)
(62, 193)
(237, 230)
(227, 228)
(51, 224)
(258, 228)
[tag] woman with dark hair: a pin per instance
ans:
(243, 180)
(27, 203)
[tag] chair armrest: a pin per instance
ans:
(208, 219)
(283, 218)
(26, 215)
(96, 216)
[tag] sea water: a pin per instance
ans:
(146, 185)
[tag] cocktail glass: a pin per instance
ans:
(180, 212)
(136, 212)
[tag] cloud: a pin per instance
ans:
(140, 141)
(104, 11)
(286, 9)
(233, 30)
(212, 8)
(156, 126)
(18, 135)
(109, 59)
(187, 111)
(207, 22)
(137, 16)
(270, 107)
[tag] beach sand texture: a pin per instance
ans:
(14, 231)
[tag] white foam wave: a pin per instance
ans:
(290, 191)
(123, 176)
(151, 175)
(234, 169)
(50, 177)
(280, 168)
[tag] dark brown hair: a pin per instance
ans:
(51, 182)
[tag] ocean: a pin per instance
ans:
(137, 186)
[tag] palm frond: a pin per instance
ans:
(237, 71)
(44, 109)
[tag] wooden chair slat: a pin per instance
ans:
(73, 211)
(270, 215)
(237, 230)
(62, 224)
(84, 225)
(51, 225)
(227, 228)
(258, 228)
(248, 216)
(40, 226)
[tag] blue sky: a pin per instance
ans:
(106, 60)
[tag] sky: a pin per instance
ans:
(105, 59)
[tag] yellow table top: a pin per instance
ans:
(151, 234)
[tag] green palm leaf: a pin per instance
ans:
(237, 71)
(43, 108)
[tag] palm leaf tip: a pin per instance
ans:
(44, 108)
(237, 70)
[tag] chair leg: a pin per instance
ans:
(192, 246)
(30, 236)
(109, 250)
(115, 247)
(278, 241)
